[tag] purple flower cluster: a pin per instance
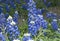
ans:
(12, 29)
(51, 15)
(2, 27)
(8, 25)
(15, 17)
(8, 4)
(48, 4)
(54, 24)
(27, 37)
(35, 18)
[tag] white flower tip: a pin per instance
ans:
(12, 23)
(16, 40)
(10, 17)
(32, 22)
(27, 34)
(30, 40)
(54, 19)
(41, 16)
(16, 12)
(0, 32)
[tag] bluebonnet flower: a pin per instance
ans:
(27, 37)
(44, 24)
(12, 29)
(2, 19)
(49, 14)
(35, 18)
(54, 24)
(16, 16)
(33, 24)
(2, 24)
(54, 15)
(40, 11)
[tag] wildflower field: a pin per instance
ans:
(29, 20)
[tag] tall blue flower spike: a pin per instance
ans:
(2, 27)
(2, 19)
(54, 24)
(31, 21)
(54, 16)
(35, 18)
(12, 29)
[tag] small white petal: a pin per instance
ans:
(16, 40)
(10, 17)
(41, 16)
(30, 40)
(32, 22)
(54, 19)
(12, 23)
(27, 34)
(16, 12)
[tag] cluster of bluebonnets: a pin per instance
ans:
(8, 24)
(9, 27)
(36, 20)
